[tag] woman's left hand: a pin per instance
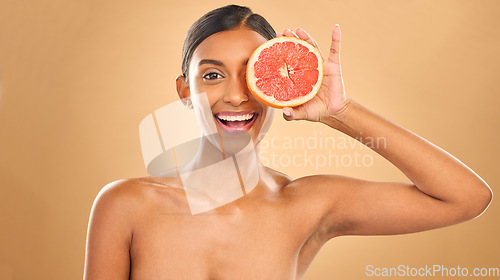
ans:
(330, 99)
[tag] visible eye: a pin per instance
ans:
(212, 76)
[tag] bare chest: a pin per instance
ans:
(261, 244)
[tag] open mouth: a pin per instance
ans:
(236, 121)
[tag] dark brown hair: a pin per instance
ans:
(218, 20)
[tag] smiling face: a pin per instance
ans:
(218, 68)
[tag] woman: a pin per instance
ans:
(144, 228)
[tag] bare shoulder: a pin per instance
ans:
(314, 185)
(116, 214)
(329, 199)
(129, 198)
(280, 179)
(320, 184)
(123, 190)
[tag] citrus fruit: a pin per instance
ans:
(284, 72)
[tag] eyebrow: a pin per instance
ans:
(210, 61)
(216, 62)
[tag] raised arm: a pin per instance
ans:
(443, 191)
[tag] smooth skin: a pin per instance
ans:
(142, 228)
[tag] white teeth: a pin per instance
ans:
(231, 118)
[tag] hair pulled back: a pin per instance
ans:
(218, 20)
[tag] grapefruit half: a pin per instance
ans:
(284, 72)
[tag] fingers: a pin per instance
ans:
(290, 114)
(301, 34)
(298, 33)
(335, 47)
(334, 55)
(305, 36)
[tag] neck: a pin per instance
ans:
(222, 171)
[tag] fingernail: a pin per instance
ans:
(286, 113)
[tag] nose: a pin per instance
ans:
(237, 92)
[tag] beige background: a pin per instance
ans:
(77, 77)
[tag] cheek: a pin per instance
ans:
(212, 93)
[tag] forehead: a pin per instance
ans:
(228, 46)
